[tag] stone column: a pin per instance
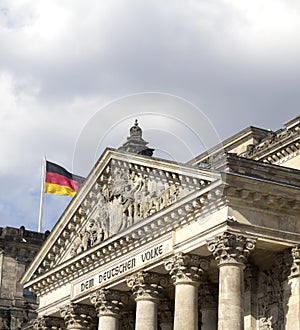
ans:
(293, 299)
(185, 271)
(146, 291)
(208, 301)
(108, 305)
(231, 252)
(78, 317)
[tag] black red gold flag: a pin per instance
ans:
(61, 182)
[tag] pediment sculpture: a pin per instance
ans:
(124, 198)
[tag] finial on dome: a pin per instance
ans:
(136, 130)
(135, 143)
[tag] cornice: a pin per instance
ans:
(265, 234)
(260, 194)
(232, 142)
(277, 147)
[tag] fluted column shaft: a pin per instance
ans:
(231, 252)
(146, 314)
(231, 305)
(185, 271)
(186, 305)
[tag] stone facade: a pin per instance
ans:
(153, 244)
(17, 249)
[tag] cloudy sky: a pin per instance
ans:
(75, 74)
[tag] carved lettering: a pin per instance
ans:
(152, 253)
(111, 273)
(87, 285)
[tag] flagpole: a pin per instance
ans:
(42, 195)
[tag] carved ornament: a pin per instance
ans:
(271, 293)
(123, 196)
(145, 285)
(295, 269)
(107, 302)
(186, 268)
(76, 315)
(231, 248)
(47, 322)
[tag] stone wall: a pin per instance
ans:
(17, 249)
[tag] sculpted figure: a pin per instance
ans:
(90, 236)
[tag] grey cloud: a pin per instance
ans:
(199, 50)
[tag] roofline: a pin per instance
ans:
(229, 141)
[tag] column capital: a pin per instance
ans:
(107, 302)
(186, 268)
(231, 248)
(78, 316)
(145, 285)
(48, 322)
(295, 269)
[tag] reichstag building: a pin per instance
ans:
(151, 244)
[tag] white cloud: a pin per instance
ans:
(62, 61)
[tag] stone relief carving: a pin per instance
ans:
(265, 323)
(133, 196)
(186, 267)
(107, 302)
(227, 248)
(79, 316)
(271, 299)
(295, 269)
(46, 323)
(145, 285)
(91, 235)
(124, 197)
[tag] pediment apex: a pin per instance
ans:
(121, 190)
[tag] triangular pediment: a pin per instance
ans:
(121, 191)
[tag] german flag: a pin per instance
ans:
(61, 182)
